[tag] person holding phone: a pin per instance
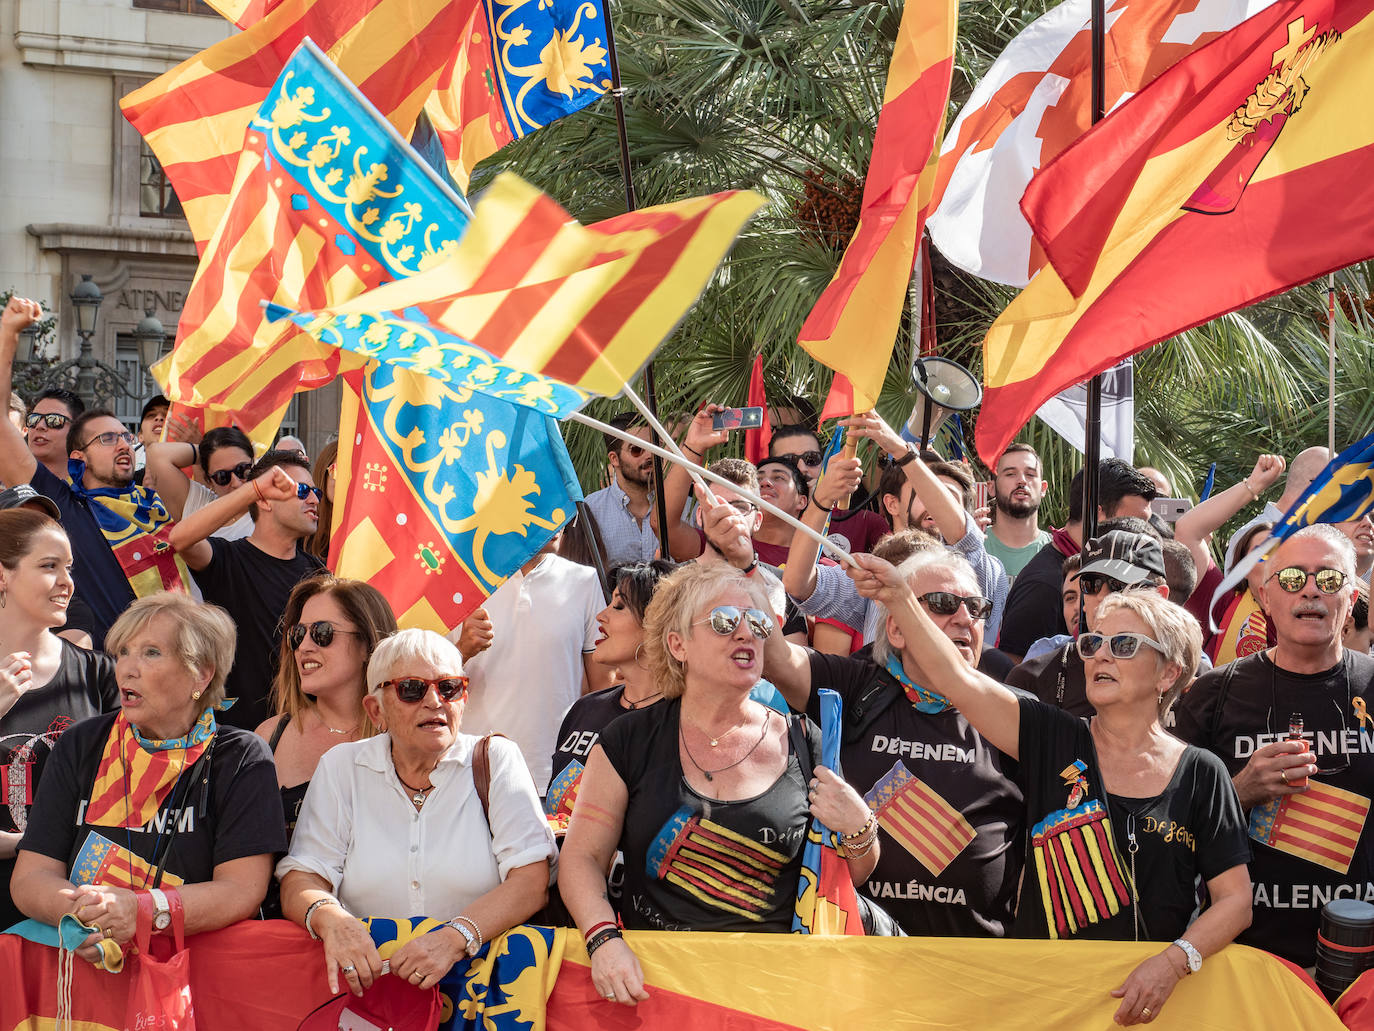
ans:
(623, 508)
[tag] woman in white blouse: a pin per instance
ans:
(394, 827)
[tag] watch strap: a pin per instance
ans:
(907, 458)
(1194, 957)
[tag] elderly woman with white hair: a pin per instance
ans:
(1125, 817)
(421, 820)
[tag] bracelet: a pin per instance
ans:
(328, 900)
(195, 453)
(1254, 494)
(258, 487)
(867, 830)
(458, 925)
(688, 447)
(908, 458)
(469, 922)
(749, 569)
(591, 931)
(818, 505)
(601, 938)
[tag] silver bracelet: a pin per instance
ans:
(460, 925)
(460, 922)
(310, 913)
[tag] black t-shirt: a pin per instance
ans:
(241, 817)
(1314, 856)
(581, 728)
(252, 586)
(1057, 679)
(1075, 871)
(96, 573)
(694, 863)
(82, 687)
(1035, 608)
(949, 814)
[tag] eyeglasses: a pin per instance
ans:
(943, 603)
(740, 505)
(223, 476)
(110, 439)
(321, 632)
(724, 620)
(1121, 646)
(414, 689)
(803, 457)
(1092, 583)
(52, 420)
(1293, 579)
(304, 490)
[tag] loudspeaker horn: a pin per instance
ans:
(943, 387)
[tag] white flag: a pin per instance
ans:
(1067, 413)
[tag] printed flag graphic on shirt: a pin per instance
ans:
(1210, 189)
(328, 201)
(854, 324)
(448, 492)
(918, 819)
(1322, 824)
(536, 309)
(715, 865)
(1034, 101)
(101, 861)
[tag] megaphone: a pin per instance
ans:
(943, 387)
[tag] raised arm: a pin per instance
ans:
(1196, 525)
(838, 481)
(162, 472)
(991, 707)
(188, 536)
(683, 541)
(947, 513)
(17, 463)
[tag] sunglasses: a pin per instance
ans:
(1121, 646)
(110, 439)
(634, 450)
(304, 490)
(804, 457)
(52, 420)
(223, 476)
(1092, 583)
(321, 632)
(942, 603)
(1292, 579)
(725, 619)
(414, 689)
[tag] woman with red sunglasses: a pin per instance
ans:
(399, 825)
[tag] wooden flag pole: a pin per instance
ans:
(851, 450)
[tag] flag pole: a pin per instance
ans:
(1331, 363)
(1092, 425)
(632, 204)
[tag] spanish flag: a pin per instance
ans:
(1245, 169)
(854, 324)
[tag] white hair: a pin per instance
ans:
(927, 558)
(404, 650)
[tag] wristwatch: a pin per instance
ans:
(162, 914)
(1194, 957)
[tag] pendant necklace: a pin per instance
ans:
(418, 795)
(640, 703)
(708, 774)
(717, 739)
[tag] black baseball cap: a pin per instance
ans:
(1127, 557)
(155, 402)
(23, 494)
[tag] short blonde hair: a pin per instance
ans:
(402, 651)
(914, 565)
(679, 597)
(1171, 625)
(203, 636)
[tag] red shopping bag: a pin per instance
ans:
(160, 993)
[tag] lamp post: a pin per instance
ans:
(86, 300)
(150, 337)
(28, 345)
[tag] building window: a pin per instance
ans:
(155, 196)
(180, 6)
(130, 369)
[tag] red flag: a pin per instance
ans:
(756, 441)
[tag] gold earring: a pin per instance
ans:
(195, 696)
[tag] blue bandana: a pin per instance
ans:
(925, 701)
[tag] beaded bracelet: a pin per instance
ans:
(328, 900)
(467, 920)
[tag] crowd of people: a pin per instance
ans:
(1048, 732)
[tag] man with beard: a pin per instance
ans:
(1306, 799)
(622, 508)
(1015, 535)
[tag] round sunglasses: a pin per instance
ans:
(725, 619)
(414, 689)
(321, 632)
(1121, 646)
(222, 477)
(943, 603)
(1293, 579)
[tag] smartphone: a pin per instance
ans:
(737, 419)
(1169, 509)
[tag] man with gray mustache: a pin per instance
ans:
(1307, 800)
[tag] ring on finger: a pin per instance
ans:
(1145, 1013)
(416, 974)
(1284, 775)
(349, 969)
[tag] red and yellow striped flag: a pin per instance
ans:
(919, 819)
(854, 324)
(1236, 174)
(1322, 824)
(132, 784)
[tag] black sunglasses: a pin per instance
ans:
(1092, 583)
(413, 689)
(321, 632)
(223, 476)
(1293, 579)
(943, 603)
(52, 420)
(803, 457)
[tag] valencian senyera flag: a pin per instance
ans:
(329, 201)
(1034, 101)
(194, 116)
(826, 900)
(1342, 493)
(1240, 172)
(530, 303)
(518, 65)
(448, 492)
(854, 324)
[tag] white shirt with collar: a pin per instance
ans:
(383, 857)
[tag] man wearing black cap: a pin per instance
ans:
(150, 424)
(1117, 560)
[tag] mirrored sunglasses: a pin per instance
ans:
(304, 490)
(414, 689)
(724, 619)
(1121, 646)
(52, 420)
(223, 476)
(1293, 579)
(943, 603)
(321, 632)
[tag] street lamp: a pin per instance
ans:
(28, 345)
(150, 337)
(86, 300)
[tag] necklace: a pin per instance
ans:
(640, 703)
(719, 737)
(418, 795)
(709, 774)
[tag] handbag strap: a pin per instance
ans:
(481, 774)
